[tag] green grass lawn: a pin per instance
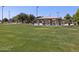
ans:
(27, 38)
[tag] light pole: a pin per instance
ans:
(37, 14)
(2, 12)
(57, 14)
(49, 14)
(9, 14)
(37, 11)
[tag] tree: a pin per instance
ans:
(68, 18)
(24, 18)
(39, 17)
(76, 16)
(31, 18)
(5, 20)
(15, 19)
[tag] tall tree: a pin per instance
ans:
(31, 18)
(76, 16)
(24, 18)
(68, 18)
(5, 20)
(15, 19)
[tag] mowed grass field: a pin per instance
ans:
(28, 38)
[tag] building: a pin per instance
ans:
(48, 21)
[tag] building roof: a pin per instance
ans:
(47, 18)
